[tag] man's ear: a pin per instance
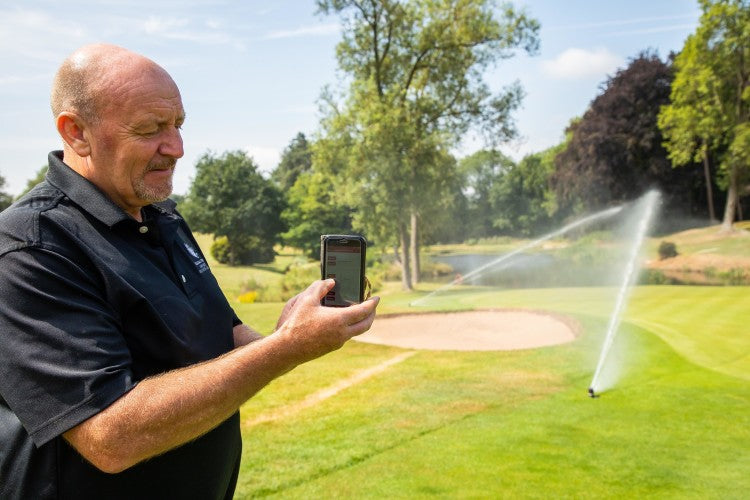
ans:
(71, 128)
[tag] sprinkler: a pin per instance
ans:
(592, 394)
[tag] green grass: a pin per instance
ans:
(516, 424)
(232, 278)
(519, 424)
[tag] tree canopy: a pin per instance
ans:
(230, 198)
(313, 209)
(710, 97)
(523, 202)
(480, 173)
(295, 160)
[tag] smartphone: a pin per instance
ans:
(342, 257)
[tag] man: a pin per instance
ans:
(122, 366)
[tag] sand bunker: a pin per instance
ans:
(495, 330)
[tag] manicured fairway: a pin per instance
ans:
(519, 424)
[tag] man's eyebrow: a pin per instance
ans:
(152, 118)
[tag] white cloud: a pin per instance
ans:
(162, 26)
(174, 28)
(316, 30)
(574, 64)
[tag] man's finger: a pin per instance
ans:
(316, 291)
(359, 313)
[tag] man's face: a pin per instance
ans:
(137, 141)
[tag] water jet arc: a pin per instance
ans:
(580, 222)
(648, 207)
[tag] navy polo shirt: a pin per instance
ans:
(91, 302)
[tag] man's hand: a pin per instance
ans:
(313, 330)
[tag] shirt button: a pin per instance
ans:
(143, 229)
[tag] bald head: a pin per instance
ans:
(89, 78)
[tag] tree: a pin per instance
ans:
(230, 198)
(295, 160)
(615, 152)
(415, 87)
(5, 198)
(313, 209)
(38, 177)
(480, 173)
(709, 110)
(523, 201)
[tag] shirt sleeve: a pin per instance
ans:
(62, 355)
(235, 320)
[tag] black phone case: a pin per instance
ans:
(324, 239)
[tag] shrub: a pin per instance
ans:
(241, 250)
(734, 277)
(248, 297)
(220, 250)
(654, 277)
(432, 269)
(667, 250)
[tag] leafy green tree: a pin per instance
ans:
(480, 173)
(523, 201)
(314, 209)
(709, 110)
(415, 87)
(39, 177)
(295, 160)
(230, 198)
(5, 198)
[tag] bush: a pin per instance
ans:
(655, 277)
(667, 250)
(734, 277)
(220, 250)
(243, 250)
(432, 269)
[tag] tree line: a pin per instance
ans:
(381, 162)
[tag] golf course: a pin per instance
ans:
(376, 421)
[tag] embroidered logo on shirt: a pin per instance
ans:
(192, 251)
(198, 261)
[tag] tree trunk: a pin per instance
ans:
(414, 249)
(405, 269)
(731, 207)
(709, 189)
(740, 216)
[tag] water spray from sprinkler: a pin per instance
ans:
(649, 203)
(580, 222)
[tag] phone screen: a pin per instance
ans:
(343, 260)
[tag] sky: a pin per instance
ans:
(251, 72)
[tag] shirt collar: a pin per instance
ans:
(89, 197)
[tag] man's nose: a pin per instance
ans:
(172, 144)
